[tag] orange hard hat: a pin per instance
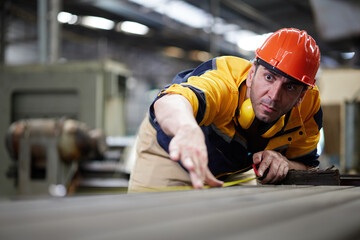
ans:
(293, 52)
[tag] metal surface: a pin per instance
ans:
(258, 212)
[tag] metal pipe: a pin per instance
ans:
(54, 31)
(42, 30)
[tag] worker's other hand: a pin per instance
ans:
(188, 146)
(277, 164)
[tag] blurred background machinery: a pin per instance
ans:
(352, 136)
(102, 62)
(93, 93)
(46, 153)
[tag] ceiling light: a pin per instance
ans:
(97, 22)
(187, 14)
(65, 17)
(133, 28)
(347, 55)
(180, 11)
(250, 41)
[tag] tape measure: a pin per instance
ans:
(183, 188)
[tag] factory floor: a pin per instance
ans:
(241, 212)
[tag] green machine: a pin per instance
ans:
(92, 92)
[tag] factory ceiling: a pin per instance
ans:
(335, 25)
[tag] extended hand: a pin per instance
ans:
(188, 142)
(188, 146)
(277, 164)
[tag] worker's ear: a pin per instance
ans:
(250, 76)
(302, 95)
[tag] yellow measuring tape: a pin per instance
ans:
(182, 188)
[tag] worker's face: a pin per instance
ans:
(271, 94)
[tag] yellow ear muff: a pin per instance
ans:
(247, 114)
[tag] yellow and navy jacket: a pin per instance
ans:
(213, 89)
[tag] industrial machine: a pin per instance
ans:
(92, 92)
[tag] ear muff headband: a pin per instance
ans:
(247, 117)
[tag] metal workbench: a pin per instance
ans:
(241, 212)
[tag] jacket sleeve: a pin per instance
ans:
(212, 88)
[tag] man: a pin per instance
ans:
(220, 118)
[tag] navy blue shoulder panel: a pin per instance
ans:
(183, 77)
(200, 95)
(318, 117)
(201, 69)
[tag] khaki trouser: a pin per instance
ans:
(153, 168)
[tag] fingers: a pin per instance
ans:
(280, 174)
(188, 164)
(174, 152)
(196, 164)
(193, 157)
(211, 180)
(196, 171)
(276, 164)
(257, 157)
(263, 161)
(195, 180)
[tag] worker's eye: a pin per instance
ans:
(291, 87)
(269, 77)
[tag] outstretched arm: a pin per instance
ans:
(174, 114)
